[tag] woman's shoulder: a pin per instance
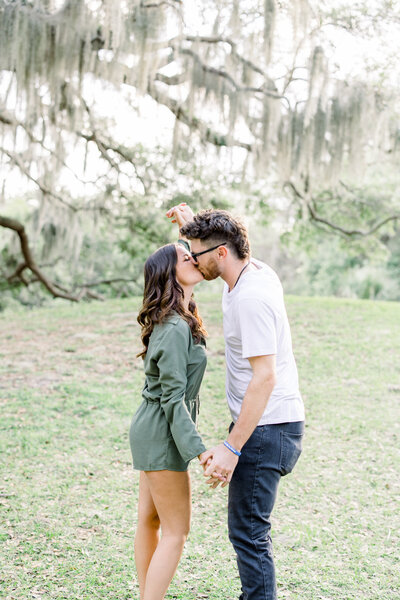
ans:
(170, 336)
(174, 324)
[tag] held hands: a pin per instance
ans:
(181, 214)
(218, 464)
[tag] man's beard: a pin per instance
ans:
(210, 270)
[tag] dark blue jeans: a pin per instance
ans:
(270, 452)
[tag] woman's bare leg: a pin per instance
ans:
(147, 532)
(171, 494)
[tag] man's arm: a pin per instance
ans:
(255, 400)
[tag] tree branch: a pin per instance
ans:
(45, 190)
(105, 145)
(207, 134)
(173, 79)
(233, 45)
(57, 290)
(312, 211)
(18, 273)
(108, 282)
(29, 260)
(225, 75)
(8, 119)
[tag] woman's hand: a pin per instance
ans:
(215, 477)
(181, 214)
(202, 456)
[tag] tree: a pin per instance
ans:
(252, 77)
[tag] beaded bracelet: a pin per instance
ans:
(232, 449)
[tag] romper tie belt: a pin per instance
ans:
(192, 402)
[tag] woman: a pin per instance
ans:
(163, 435)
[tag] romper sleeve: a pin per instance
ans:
(172, 359)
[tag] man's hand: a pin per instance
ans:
(181, 214)
(221, 466)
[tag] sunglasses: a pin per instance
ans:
(196, 254)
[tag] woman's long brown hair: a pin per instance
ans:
(163, 294)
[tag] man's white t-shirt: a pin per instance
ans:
(256, 324)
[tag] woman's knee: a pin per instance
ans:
(180, 530)
(185, 531)
(175, 538)
(150, 520)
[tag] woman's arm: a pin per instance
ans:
(180, 214)
(172, 359)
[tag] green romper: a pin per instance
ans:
(163, 433)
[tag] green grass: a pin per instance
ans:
(69, 384)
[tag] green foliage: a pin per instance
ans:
(331, 262)
(327, 265)
(113, 244)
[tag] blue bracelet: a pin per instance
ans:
(232, 449)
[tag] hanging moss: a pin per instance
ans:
(48, 51)
(297, 135)
(269, 26)
(319, 134)
(301, 14)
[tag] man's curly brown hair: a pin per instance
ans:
(217, 226)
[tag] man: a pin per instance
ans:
(262, 391)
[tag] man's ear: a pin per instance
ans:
(222, 252)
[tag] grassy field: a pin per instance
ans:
(69, 384)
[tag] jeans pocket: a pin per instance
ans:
(291, 447)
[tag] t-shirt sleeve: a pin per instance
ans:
(172, 358)
(257, 323)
